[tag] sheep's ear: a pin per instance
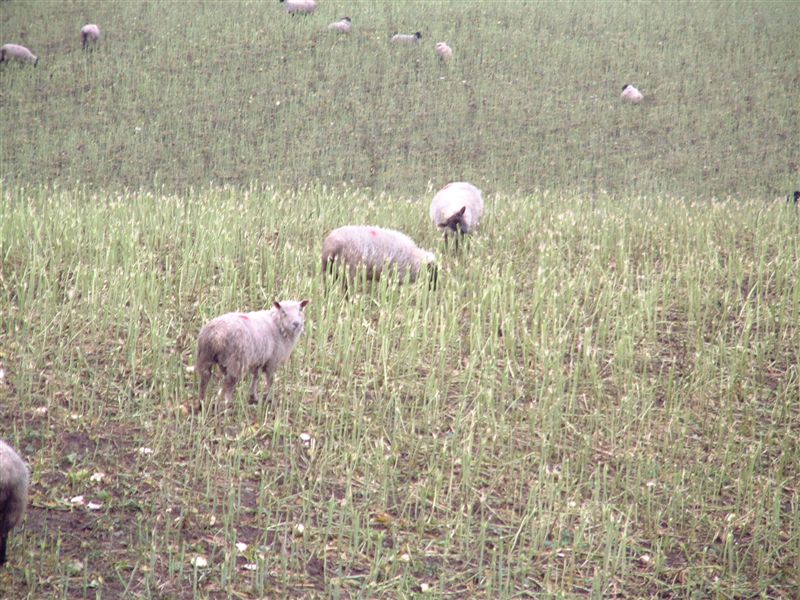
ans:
(462, 211)
(303, 304)
(277, 305)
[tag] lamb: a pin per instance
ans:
(302, 7)
(444, 51)
(406, 38)
(90, 33)
(17, 52)
(631, 94)
(13, 493)
(343, 25)
(457, 208)
(248, 342)
(376, 249)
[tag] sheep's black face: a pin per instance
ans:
(624, 87)
(419, 35)
(796, 196)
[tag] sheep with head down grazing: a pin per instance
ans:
(18, 53)
(377, 251)
(457, 208)
(443, 51)
(631, 94)
(299, 7)
(13, 493)
(241, 343)
(343, 25)
(406, 38)
(90, 34)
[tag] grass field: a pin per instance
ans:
(600, 399)
(241, 93)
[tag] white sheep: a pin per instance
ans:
(13, 493)
(248, 342)
(90, 33)
(631, 94)
(406, 38)
(457, 208)
(17, 52)
(375, 249)
(444, 51)
(343, 25)
(302, 7)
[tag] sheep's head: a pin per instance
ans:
(455, 221)
(291, 318)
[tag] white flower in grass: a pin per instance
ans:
(199, 562)
(144, 450)
(250, 567)
(424, 587)
(405, 557)
(241, 546)
(94, 506)
(299, 529)
(40, 411)
(76, 500)
(97, 477)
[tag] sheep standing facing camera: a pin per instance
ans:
(406, 38)
(343, 25)
(13, 493)
(299, 7)
(90, 34)
(375, 249)
(17, 52)
(248, 342)
(457, 208)
(443, 51)
(631, 94)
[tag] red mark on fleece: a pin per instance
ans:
(373, 233)
(245, 317)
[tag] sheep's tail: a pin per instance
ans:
(210, 345)
(330, 253)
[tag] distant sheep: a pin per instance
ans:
(248, 342)
(457, 208)
(631, 94)
(444, 51)
(90, 33)
(17, 52)
(406, 38)
(300, 7)
(376, 250)
(13, 493)
(343, 25)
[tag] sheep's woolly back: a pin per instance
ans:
(406, 38)
(450, 201)
(444, 51)
(17, 52)
(13, 493)
(300, 6)
(631, 94)
(375, 248)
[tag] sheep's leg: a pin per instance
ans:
(205, 375)
(254, 386)
(3, 548)
(228, 387)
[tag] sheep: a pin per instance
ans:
(376, 249)
(254, 341)
(90, 33)
(343, 25)
(406, 38)
(303, 7)
(795, 198)
(444, 51)
(631, 94)
(17, 52)
(457, 208)
(13, 493)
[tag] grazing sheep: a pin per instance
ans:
(248, 342)
(406, 38)
(376, 249)
(794, 198)
(631, 94)
(13, 493)
(457, 208)
(17, 52)
(343, 25)
(90, 33)
(444, 51)
(302, 7)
